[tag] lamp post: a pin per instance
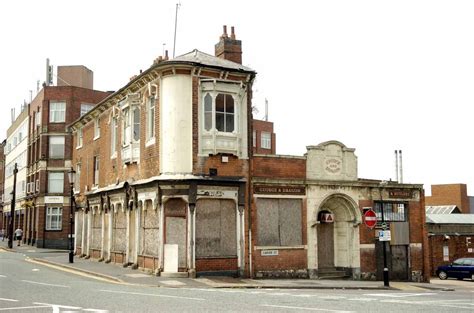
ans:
(386, 280)
(72, 178)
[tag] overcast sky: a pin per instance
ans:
(375, 75)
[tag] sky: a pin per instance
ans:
(376, 75)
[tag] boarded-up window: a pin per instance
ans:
(279, 222)
(216, 228)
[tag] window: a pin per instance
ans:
(77, 183)
(79, 138)
(96, 171)
(126, 126)
(279, 222)
(224, 113)
(254, 138)
(266, 140)
(86, 108)
(56, 147)
(57, 112)
(136, 124)
(55, 182)
(113, 137)
(54, 218)
(37, 185)
(38, 118)
(96, 128)
(150, 118)
(392, 211)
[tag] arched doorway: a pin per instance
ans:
(338, 234)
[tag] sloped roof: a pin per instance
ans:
(199, 57)
(442, 209)
(450, 219)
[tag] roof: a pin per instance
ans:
(442, 209)
(450, 219)
(199, 57)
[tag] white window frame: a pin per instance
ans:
(126, 127)
(96, 128)
(266, 140)
(86, 107)
(77, 183)
(150, 121)
(235, 114)
(80, 138)
(55, 138)
(51, 213)
(96, 165)
(38, 118)
(254, 138)
(113, 137)
(57, 178)
(37, 185)
(57, 111)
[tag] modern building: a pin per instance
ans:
(46, 212)
(16, 154)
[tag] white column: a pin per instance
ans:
(102, 232)
(137, 233)
(89, 231)
(240, 238)
(76, 220)
(84, 227)
(110, 233)
(127, 257)
(162, 235)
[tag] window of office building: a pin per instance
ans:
(56, 147)
(57, 112)
(54, 218)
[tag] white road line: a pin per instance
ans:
(331, 297)
(11, 300)
(457, 306)
(3, 276)
(24, 308)
(303, 308)
(153, 295)
(95, 310)
(399, 295)
(45, 284)
(362, 299)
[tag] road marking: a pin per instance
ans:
(153, 295)
(172, 283)
(332, 297)
(45, 284)
(399, 295)
(3, 276)
(24, 307)
(11, 300)
(303, 308)
(35, 270)
(95, 310)
(362, 299)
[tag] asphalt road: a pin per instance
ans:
(30, 287)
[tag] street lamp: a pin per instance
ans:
(72, 178)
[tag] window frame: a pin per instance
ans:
(50, 148)
(50, 216)
(80, 138)
(51, 180)
(213, 113)
(54, 112)
(96, 128)
(150, 120)
(96, 172)
(266, 143)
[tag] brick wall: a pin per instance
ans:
(259, 127)
(279, 167)
(458, 248)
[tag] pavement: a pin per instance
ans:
(117, 274)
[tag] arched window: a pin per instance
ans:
(207, 112)
(136, 124)
(224, 109)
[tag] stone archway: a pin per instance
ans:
(339, 240)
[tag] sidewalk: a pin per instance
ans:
(118, 274)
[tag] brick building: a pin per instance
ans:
(163, 166)
(2, 182)
(263, 137)
(46, 211)
(307, 218)
(449, 194)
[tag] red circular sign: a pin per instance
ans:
(370, 219)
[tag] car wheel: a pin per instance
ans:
(442, 275)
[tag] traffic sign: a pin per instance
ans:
(385, 235)
(370, 219)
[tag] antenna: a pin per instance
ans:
(49, 73)
(401, 166)
(396, 165)
(266, 110)
(175, 26)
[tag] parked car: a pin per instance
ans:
(460, 269)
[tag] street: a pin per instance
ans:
(31, 287)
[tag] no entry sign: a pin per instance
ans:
(370, 219)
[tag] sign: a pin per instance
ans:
(281, 190)
(370, 219)
(269, 252)
(54, 199)
(327, 218)
(400, 193)
(333, 165)
(385, 235)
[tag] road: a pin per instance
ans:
(31, 287)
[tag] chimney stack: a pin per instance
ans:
(229, 48)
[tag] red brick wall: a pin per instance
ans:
(279, 167)
(449, 194)
(225, 264)
(291, 259)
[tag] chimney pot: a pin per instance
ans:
(166, 55)
(232, 33)
(225, 32)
